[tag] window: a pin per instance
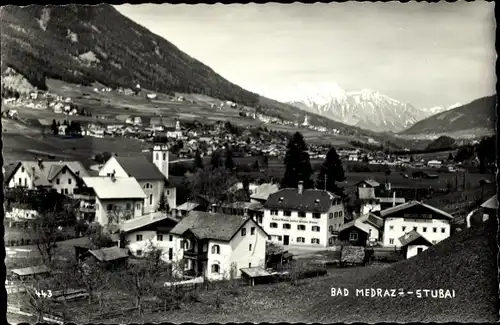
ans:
(287, 213)
(340, 214)
(22, 169)
(65, 191)
(63, 171)
(138, 206)
(215, 268)
(273, 225)
(168, 192)
(25, 182)
(404, 228)
(170, 238)
(58, 181)
(286, 226)
(419, 250)
(330, 215)
(443, 230)
(243, 231)
(301, 240)
(109, 207)
(269, 238)
(314, 241)
(330, 228)
(434, 229)
(434, 241)
(159, 237)
(424, 229)
(128, 206)
(391, 241)
(279, 238)
(69, 181)
(249, 264)
(336, 214)
(170, 253)
(315, 228)
(274, 212)
(302, 214)
(215, 249)
(150, 199)
(301, 227)
(249, 247)
(316, 215)
(353, 236)
(391, 227)
(157, 156)
(415, 228)
(138, 237)
(164, 156)
(138, 252)
(252, 231)
(259, 219)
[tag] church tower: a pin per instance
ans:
(160, 158)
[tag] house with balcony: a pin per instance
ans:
(149, 231)
(216, 246)
(303, 217)
(62, 176)
(117, 199)
(431, 223)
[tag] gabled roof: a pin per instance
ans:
(397, 200)
(149, 220)
(398, 208)
(358, 223)
(119, 188)
(110, 253)
(415, 238)
(375, 220)
(32, 270)
(491, 203)
(207, 225)
(44, 172)
(140, 168)
(366, 193)
(369, 182)
(309, 201)
(187, 206)
(263, 191)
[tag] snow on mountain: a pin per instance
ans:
(368, 109)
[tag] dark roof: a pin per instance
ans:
(369, 182)
(375, 220)
(309, 201)
(398, 208)
(140, 168)
(110, 253)
(207, 225)
(413, 237)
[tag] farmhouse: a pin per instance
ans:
(302, 217)
(365, 230)
(368, 183)
(63, 176)
(368, 201)
(109, 257)
(261, 193)
(116, 198)
(413, 243)
(147, 232)
(217, 245)
(186, 207)
(430, 222)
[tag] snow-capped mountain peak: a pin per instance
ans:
(366, 108)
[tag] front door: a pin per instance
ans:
(286, 240)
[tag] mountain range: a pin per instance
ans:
(85, 44)
(367, 109)
(475, 119)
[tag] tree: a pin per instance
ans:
(198, 161)
(212, 184)
(54, 128)
(45, 235)
(450, 157)
(229, 163)
(216, 160)
(105, 156)
(331, 172)
(255, 165)
(92, 276)
(387, 173)
(163, 205)
(486, 153)
(298, 166)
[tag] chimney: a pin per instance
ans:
(300, 187)
(394, 199)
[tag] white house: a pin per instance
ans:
(147, 232)
(413, 243)
(434, 164)
(153, 182)
(368, 201)
(302, 217)
(363, 231)
(151, 96)
(216, 245)
(137, 120)
(116, 198)
(63, 176)
(174, 132)
(431, 223)
(62, 129)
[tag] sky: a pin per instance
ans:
(425, 54)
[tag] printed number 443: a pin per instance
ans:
(43, 293)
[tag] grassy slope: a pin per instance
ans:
(480, 113)
(465, 262)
